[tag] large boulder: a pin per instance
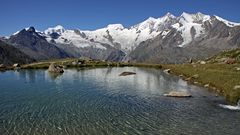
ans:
(16, 65)
(178, 94)
(230, 61)
(55, 69)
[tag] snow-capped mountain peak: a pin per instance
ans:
(202, 17)
(189, 26)
(156, 24)
(186, 17)
(57, 29)
(193, 18)
(228, 23)
(115, 26)
(170, 15)
(26, 29)
(149, 23)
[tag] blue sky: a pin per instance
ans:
(93, 14)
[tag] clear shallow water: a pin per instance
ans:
(98, 101)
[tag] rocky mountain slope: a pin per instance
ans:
(168, 39)
(203, 37)
(35, 45)
(10, 55)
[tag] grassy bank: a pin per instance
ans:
(69, 63)
(221, 78)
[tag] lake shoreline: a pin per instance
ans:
(185, 71)
(219, 78)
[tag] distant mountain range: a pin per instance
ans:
(168, 39)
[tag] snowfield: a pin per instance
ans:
(190, 26)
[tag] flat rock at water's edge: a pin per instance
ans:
(127, 73)
(178, 94)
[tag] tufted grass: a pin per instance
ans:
(222, 78)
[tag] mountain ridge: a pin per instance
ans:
(121, 43)
(10, 55)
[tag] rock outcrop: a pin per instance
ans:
(55, 69)
(35, 45)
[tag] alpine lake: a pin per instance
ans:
(97, 101)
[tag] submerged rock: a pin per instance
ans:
(178, 94)
(55, 69)
(127, 73)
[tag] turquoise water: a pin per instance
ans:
(99, 102)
